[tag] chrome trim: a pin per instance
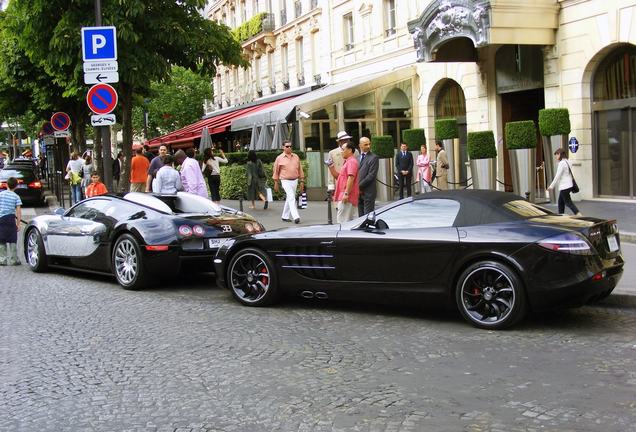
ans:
(304, 256)
(309, 267)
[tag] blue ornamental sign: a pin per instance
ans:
(573, 144)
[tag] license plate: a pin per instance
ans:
(612, 243)
(216, 243)
(22, 186)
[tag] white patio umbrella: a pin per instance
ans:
(280, 135)
(265, 138)
(254, 137)
(206, 140)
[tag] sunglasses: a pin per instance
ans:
(287, 146)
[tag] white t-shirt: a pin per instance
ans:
(213, 163)
(75, 165)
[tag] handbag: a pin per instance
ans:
(270, 195)
(575, 187)
(302, 200)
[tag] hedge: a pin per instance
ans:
(414, 138)
(383, 146)
(521, 135)
(234, 181)
(554, 121)
(266, 156)
(446, 129)
(481, 145)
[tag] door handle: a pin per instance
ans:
(326, 243)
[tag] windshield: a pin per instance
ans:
(525, 209)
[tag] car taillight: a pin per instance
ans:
(198, 230)
(157, 248)
(35, 185)
(185, 230)
(3, 185)
(571, 243)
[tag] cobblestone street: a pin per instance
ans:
(79, 353)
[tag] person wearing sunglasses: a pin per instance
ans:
(288, 172)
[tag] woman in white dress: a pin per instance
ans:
(565, 182)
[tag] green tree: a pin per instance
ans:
(152, 35)
(173, 103)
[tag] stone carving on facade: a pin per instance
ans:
(444, 20)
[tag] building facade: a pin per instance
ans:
(390, 65)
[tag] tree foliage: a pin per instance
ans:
(173, 103)
(152, 35)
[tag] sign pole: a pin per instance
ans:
(107, 159)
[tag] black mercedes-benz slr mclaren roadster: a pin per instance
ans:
(492, 255)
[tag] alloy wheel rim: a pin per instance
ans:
(488, 295)
(33, 251)
(126, 262)
(250, 277)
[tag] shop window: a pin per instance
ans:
(616, 76)
(361, 107)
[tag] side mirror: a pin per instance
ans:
(59, 211)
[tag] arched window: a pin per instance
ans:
(616, 76)
(451, 103)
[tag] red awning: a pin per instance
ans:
(215, 125)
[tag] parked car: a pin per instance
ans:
(492, 255)
(29, 188)
(136, 237)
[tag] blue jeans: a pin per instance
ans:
(76, 193)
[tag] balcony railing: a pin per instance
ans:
(298, 8)
(283, 17)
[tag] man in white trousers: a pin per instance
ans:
(289, 172)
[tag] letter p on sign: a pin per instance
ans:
(99, 43)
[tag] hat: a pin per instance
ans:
(342, 135)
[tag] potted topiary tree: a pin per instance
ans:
(446, 131)
(554, 125)
(414, 139)
(482, 152)
(383, 146)
(521, 141)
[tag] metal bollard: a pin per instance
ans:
(329, 210)
(241, 203)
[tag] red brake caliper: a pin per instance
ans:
(265, 275)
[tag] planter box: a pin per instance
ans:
(385, 175)
(484, 173)
(550, 145)
(523, 167)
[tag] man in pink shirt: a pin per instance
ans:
(288, 171)
(347, 189)
(191, 176)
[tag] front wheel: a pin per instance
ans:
(252, 278)
(34, 251)
(490, 295)
(127, 263)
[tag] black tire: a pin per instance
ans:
(251, 278)
(34, 253)
(490, 295)
(127, 262)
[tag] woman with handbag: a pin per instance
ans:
(255, 179)
(212, 172)
(566, 183)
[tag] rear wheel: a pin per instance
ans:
(34, 251)
(127, 263)
(252, 278)
(490, 295)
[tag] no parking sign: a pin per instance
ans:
(101, 98)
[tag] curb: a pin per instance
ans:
(624, 300)
(627, 237)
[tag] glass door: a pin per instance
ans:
(615, 155)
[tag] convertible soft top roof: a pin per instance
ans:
(478, 206)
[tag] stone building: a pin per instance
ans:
(381, 66)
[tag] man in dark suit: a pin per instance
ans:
(367, 174)
(404, 168)
(118, 163)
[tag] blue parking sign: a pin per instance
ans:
(99, 43)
